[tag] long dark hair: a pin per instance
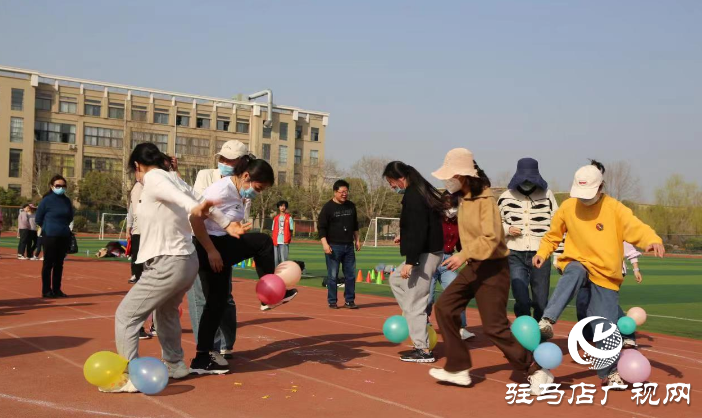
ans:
(53, 180)
(148, 154)
(478, 184)
(397, 170)
(259, 170)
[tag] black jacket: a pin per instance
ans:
(420, 227)
(338, 222)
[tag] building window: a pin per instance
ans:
(67, 107)
(267, 132)
(43, 102)
(15, 162)
(283, 131)
(314, 135)
(161, 140)
(242, 126)
(17, 99)
(282, 177)
(192, 146)
(267, 152)
(182, 120)
(203, 122)
(298, 131)
(115, 111)
(17, 188)
(298, 179)
(222, 125)
(103, 137)
(314, 158)
(189, 172)
(16, 129)
(161, 117)
(103, 165)
(282, 154)
(54, 132)
(139, 114)
(59, 163)
(92, 108)
(298, 155)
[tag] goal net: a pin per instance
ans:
(113, 225)
(382, 232)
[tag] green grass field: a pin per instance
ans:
(671, 290)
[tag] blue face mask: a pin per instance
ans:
(398, 190)
(225, 170)
(249, 193)
(59, 191)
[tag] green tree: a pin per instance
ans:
(677, 205)
(98, 190)
(11, 198)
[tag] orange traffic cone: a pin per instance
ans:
(253, 264)
(382, 276)
(359, 278)
(368, 279)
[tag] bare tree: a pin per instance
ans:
(621, 182)
(374, 199)
(501, 179)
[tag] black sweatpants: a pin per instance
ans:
(27, 242)
(137, 269)
(55, 250)
(216, 285)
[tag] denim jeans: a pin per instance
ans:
(281, 252)
(581, 303)
(524, 275)
(574, 277)
(445, 277)
(344, 256)
(226, 334)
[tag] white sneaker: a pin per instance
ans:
(629, 343)
(21, 257)
(465, 334)
(125, 385)
(217, 358)
(461, 378)
(41, 258)
(34, 259)
(546, 328)
(177, 370)
(539, 377)
(613, 380)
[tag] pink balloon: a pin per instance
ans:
(633, 367)
(290, 272)
(270, 289)
(638, 315)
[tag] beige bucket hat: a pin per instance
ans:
(458, 161)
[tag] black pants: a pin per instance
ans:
(137, 269)
(27, 242)
(215, 286)
(40, 243)
(55, 250)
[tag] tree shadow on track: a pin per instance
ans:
(16, 347)
(17, 306)
(270, 320)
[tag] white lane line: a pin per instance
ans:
(57, 407)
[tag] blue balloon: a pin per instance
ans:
(548, 355)
(626, 325)
(396, 329)
(148, 374)
(526, 330)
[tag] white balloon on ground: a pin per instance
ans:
(290, 272)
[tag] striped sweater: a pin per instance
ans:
(532, 214)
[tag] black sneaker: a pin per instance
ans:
(324, 283)
(152, 331)
(143, 335)
(60, 294)
(351, 305)
(289, 295)
(204, 363)
(133, 280)
(419, 356)
(333, 306)
(49, 295)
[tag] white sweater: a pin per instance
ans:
(532, 214)
(163, 213)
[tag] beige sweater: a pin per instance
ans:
(480, 228)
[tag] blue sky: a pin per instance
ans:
(560, 81)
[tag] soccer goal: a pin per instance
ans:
(382, 232)
(113, 225)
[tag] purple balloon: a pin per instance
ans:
(633, 367)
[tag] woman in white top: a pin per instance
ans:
(166, 213)
(250, 176)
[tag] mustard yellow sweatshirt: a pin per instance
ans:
(595, 236)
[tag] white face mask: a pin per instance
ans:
(590, 202)
(451, 213)
(453, 185)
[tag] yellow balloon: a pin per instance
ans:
(103, 368)
(433, 338)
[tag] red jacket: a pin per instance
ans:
(287, 236)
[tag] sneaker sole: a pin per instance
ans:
(547, 334)
(288, 299)
(419, 361)
(202, 371)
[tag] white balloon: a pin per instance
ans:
(290, 272)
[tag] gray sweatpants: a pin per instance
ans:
(160, 290)
(413, 296)
(280, 252)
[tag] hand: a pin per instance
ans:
(327, 249)
(358, 245)
(514, 231)
(406, 271)
(216, 262)
(237, 229)
(396, 240)
(454, 262)
(174, 164)
(537, 261)
(639, 277)
(203, 209)
(657, 249)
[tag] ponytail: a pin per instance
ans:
(259, 170)
(598, 164)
